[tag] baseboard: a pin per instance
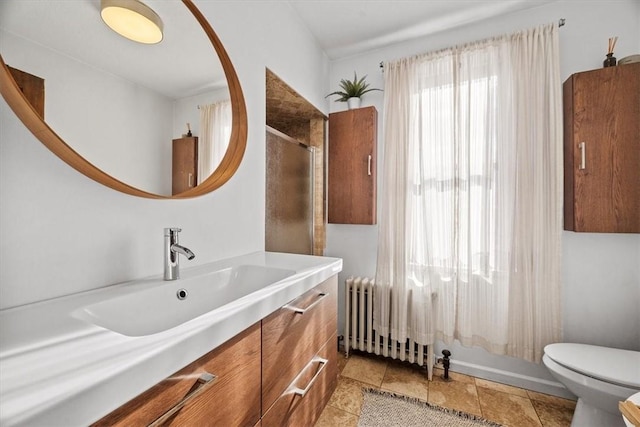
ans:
(517, 380)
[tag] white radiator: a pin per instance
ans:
(360, 335)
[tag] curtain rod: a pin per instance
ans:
(561, 23)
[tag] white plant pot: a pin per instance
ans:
(353, 102)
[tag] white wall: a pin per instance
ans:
(185, 110)
(62, 233)
(121, 127)
(601, 272)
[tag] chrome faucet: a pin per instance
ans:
(171, 251)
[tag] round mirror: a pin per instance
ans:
(153, 120)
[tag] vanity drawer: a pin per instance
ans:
(320, 378)
(291, 339)
(231, 399)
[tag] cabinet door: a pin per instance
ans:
(191, 397)
(312, 389)
(185, 164)
(352, 166)
(602, 150)
(292, 336)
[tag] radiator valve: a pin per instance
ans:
(446, 363)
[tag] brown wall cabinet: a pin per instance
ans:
(352, 166)
(602, 150)
(32, 87)
(185, 164)
(279, 372)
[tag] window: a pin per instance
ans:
(451, 177)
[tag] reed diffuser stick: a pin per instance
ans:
(612, 44)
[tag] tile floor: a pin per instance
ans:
(504, 404)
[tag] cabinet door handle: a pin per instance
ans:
(369, 165)
(302, 391)
(583, 155)
(202, 384)
(299, 310)
(190, 177)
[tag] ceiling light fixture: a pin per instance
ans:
(132, 19)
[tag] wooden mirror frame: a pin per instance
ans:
(225, 170)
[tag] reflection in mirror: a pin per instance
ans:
(117, 103)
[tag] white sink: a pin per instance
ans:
(152, 306)
(67, 360)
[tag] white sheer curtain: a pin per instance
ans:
(215, 130)
(469, 237)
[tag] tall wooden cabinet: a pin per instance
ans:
(352, 166)
(185, 164)
(602, 150)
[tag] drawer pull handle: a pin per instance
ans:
(299, 310)
(302, 391)
(202, 384)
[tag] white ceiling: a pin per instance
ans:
(74, 29)
(342, 28)
(350, 27)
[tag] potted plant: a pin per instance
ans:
(352, 91)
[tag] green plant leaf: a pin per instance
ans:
(352, 88)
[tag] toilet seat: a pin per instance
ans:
(616, 366)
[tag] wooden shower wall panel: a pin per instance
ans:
(316, 139)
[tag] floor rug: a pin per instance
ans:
(384, 409)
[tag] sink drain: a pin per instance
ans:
(182, 294)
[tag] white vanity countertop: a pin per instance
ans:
(56, 369)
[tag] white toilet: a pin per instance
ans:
(599, 376)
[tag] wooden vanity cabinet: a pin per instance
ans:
(256, 372)
(602, 150)
(231, 399)
(299, 349)
(352, 166)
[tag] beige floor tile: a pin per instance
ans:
(406, 380)
(508, 405)
(454, 394)
(366, 370)
(556, 401)
(348, 395)
(501, 387)
(553, 415)
(455, 376)
(507, 409)
(333, 417)
(342, 361)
